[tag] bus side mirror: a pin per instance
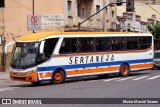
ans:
(6, 46)
(41, 49)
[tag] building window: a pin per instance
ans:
(1, 3)
(97, 9)
(112, 14)
(69, 8)
(82, 12)
(79, 9)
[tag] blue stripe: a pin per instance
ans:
(94, 64)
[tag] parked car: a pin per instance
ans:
(157, 59)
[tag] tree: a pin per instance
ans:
(155, 30)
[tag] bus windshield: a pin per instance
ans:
(24, 55)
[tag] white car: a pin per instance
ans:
(157, 59)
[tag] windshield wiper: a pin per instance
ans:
(16, 60)
(19, 60)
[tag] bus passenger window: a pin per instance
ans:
(102, 44)
(48, 49)
(65, 47)
(99, 46)
(68, 45)
(145, 42)
(90, 44)
(82, 44)
(118, 43)
(132, 43)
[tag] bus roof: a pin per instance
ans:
(43, 35)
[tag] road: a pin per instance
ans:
(144, 84)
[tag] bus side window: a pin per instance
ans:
(106, 44)
(68, 45)
(65, 47)
(73, 45)
(118, 43)
(82, 44)
(145, 42)
(90, 44)
(132, 43)
(48, 49)
(99, 45)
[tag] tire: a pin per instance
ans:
(124, 70)
(58, 77)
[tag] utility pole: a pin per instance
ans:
(33, 11)
(2, 5)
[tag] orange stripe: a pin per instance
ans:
(141, 66)
(106, 69)
(96, 70)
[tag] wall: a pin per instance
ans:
(13, 18)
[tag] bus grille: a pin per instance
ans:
(19, 78)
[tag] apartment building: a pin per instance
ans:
(146, 12)
(144, 8)
(127, 23)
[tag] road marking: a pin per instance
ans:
(110, 79)
(8, 88)
(125, 79)
(140, 78)
(153, 77)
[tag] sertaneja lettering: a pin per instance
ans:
(90, 59)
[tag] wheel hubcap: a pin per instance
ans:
(58, 76)
(125, 70)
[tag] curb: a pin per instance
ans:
(4, 75)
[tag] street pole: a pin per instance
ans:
(33, 10)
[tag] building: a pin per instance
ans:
(146, 12)
(16, 18)
(127, 23)
(144, 8)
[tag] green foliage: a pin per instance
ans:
(155, 30)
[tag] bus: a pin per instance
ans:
(58, 56)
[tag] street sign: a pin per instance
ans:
(52, 20)
(34, 22)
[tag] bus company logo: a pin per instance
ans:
(6, 101)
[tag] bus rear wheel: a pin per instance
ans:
(58, 77)
(124, 70)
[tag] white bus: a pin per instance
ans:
(55, 57)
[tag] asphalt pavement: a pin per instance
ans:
(143, 84)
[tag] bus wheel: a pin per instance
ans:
(58, 77)
(124, 70)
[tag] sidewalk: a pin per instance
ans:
(4, 75)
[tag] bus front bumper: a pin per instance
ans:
(23, 76)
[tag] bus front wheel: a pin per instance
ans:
(124, 70)
(58, 77)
